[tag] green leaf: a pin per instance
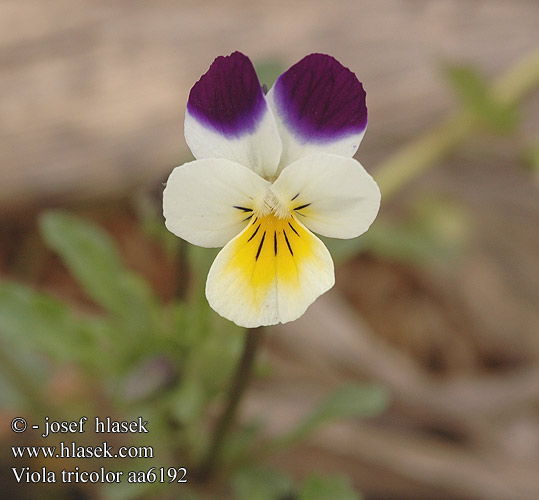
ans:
(327, 488)
(32, 324)
(89, 254)
(240, 441)
(473, 92)
(94, 261)
(402, 243)
(348, 401)
(435, 230)
(33, 319)
(36, 322)
(261, 484)
(188, 401)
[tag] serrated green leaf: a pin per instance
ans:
(88, 252)
(94, 261)
(261, 484)
(317, 487)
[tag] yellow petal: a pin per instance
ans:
(270, 273)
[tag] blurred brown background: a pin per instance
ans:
(92, 97)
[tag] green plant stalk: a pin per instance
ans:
(423, 153)
(237, 389)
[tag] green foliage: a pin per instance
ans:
(35, 320)
(476, 97)
(240, 442)
(350, 400)
(317, 487)
(434, 230)
(261, 484)
(342, 250)
(257, 483)
(169, 362)
(95, 263)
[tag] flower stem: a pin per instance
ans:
(235, 394)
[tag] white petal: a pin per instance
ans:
(259, 150)
(332, 195)
(228, 117)
(208, 202)
(269, 274)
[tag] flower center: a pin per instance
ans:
(273, 206)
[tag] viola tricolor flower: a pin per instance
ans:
(268, 171)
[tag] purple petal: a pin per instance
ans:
(228, 97)
(320, 100)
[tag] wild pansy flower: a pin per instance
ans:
(268, 171)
